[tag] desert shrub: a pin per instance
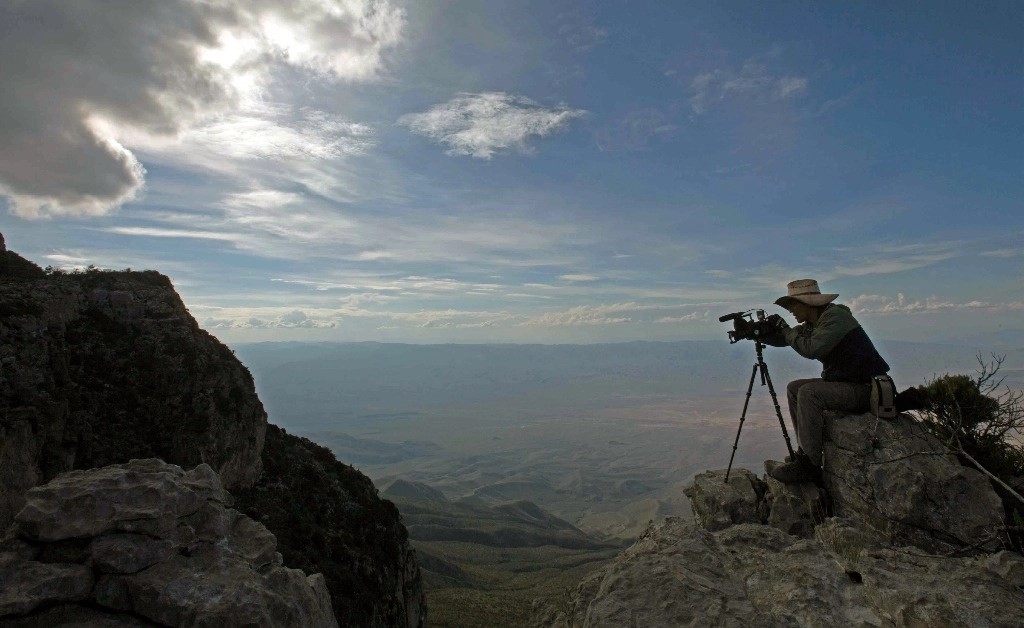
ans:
(979, 416)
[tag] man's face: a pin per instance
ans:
(800, 311)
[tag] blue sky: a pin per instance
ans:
(523, 171)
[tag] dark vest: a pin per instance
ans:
(854, 359)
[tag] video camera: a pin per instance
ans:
(752, 325)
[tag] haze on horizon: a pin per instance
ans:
(507, 171)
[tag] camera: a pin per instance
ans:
(752, 325)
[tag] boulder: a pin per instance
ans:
(717, 504)
(147, 543)
(898, 481)
(793, 508)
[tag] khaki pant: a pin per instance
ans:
(809, 398)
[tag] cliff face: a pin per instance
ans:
(99, 368)
(898, 534)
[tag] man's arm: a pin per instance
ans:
(816, 341)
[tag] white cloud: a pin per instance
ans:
(686, 318)
(607, 314)
(1003, 253)
(579, 277)
(270, 318)
(752, 81)
(879, 304)
(897, 258)
(84, 79)
(480, 125)
(157, 232)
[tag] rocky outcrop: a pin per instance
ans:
(894, 537)
(896, 480)
(328, 519)
(679, 574)
(97, 368)
(146, 543)
(100, 367)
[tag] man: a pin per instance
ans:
(827, 332)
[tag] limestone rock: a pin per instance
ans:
(678, 574)
(895, 479)
(97, 368)
(28, 584)
(154, 545)
(717, 505)
(793, 508)
(140, 495)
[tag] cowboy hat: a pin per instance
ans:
(804, 291)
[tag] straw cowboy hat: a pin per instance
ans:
(805, 291)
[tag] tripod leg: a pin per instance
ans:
(743, 416)
(778, 410)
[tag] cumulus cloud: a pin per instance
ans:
(83, 79)
(753, 80)
(479, 125)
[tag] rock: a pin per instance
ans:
(678, 574)
(793, 508)
(1009, 565)
(28, 584)
(893, 478)
(196, 563)
(128, 553)
(75, 616)
(140, 495)
(328, 518)
(717, 505)
(100, 367)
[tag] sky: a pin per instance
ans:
(520, 171)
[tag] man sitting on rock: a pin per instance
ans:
(827, 332)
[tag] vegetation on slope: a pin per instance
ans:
(328, 519)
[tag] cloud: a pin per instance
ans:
(579, 277)
(294, 319)
(636, 131)
(581, 35)
(897, 258)
(752, 81)
(83, 79)
(879, 304)
(606, 314)
(686, 318)
(157, 232)
(1002, 253)
(479, 125)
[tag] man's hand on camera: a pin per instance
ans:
(777, 323)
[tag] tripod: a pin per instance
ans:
(766, 379)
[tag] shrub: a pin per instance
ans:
(978, 416)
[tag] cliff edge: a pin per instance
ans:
(897, 534)
(99, 368)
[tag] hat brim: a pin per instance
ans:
(814, 300)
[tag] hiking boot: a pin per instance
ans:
(799, 453)
(799, 470)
